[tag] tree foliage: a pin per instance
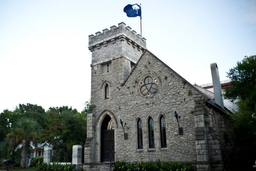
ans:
(61, 127)
(7, 118)
(26, 130)
(4, 124)
(33, 111)
(66, 127)
(243, 88)
(243, 81)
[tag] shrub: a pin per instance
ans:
(55, 167)
(153, 166)
(36, 160)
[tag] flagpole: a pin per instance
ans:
(140, 22)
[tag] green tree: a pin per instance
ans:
(4, 129)
(243, 81)
(5, 124)
(66, 127)
(7, 118)
(26, 130)
(243, 89)
(33, 111)
(86, 107)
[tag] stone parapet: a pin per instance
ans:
(121, 32)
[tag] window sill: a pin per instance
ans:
(140, 150)
(151, 150)
(163, 148)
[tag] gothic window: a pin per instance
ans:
(151, 133)
(106, 67)
(139, 134)
(106, 91)
(163, 132)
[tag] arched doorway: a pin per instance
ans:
(107, 138)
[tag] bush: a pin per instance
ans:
(55, 167)
(153, 166)
(36, 160)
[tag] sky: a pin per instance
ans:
(44, 56)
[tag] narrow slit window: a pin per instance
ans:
(108, 67)
(151, 133)
(163, 132)
(139, 134)
(106, 91)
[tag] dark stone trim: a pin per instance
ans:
(88, 142)
(199, 133)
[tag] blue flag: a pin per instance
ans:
(132, 10)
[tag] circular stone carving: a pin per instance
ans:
(148, 86)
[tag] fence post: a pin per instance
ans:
(77, 156)
(47, 154)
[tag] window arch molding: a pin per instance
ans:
(103, 115)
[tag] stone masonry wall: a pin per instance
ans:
(174, 94)
(126, 103)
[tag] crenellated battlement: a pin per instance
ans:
(115, 34)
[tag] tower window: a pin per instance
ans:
(151, 133)
(106, 91)
(139, 134)
(163, 132)
(106, 67)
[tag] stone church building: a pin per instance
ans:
(142, 110)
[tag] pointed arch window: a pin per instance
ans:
(151, 133)
(163, 132)
(106, 91)
(139, 134)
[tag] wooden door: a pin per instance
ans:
(107, 144)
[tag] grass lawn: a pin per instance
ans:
(18, 169)
(26, 169)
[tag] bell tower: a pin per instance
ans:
(115, 52)
(118, 42)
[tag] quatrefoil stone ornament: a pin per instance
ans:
(148, 86)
